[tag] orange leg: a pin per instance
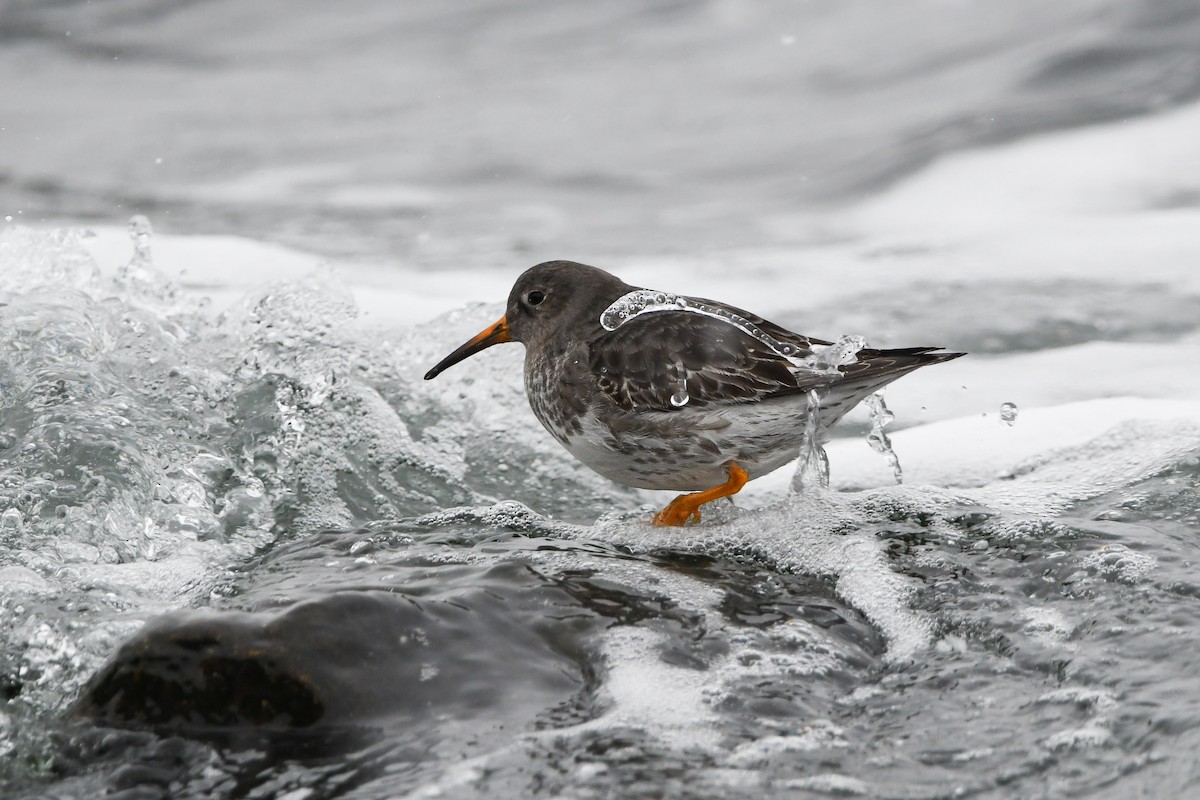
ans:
(687, 506)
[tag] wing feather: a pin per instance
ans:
(650, 358)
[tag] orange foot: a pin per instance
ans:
(687, 506)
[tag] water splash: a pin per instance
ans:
(1008, 413)
(140, 232)
(646, 301)
(877, 438)
(147, 285)
(813, 470)
(51, 261)
(827, 358)
(143, 443)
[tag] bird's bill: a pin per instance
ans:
(496, 334)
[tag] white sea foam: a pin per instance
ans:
(819, 734)
(1088, 448)
(673, 703)
(804, 534)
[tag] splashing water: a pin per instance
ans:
(827, 358)
(140, 231)
(877, 438)
(139, 274)
(647, 301)
(148, 449)
(1008, 413)
(813, 470)
(142, 443)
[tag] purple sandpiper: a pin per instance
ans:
(664, 391)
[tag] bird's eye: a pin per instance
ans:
(535, 298)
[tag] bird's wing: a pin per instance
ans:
(696, 359)
(666, 360)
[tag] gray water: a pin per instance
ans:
(245, 551)
(493, 131)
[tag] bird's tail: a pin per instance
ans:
(873, 370)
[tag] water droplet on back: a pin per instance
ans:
(826, 359)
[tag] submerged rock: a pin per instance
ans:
(351, 657)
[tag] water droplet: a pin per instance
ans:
(644, 301)
(1008, 413)
(679, 398)
(877, 438)
(140, 232)
(11, 520)
(813, 470)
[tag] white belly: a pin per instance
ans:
(689, 451)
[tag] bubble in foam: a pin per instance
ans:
(1117, 562)
(1008, 413)
(11, 521)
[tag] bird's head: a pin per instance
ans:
(554, 298)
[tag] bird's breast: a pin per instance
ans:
(560, 392)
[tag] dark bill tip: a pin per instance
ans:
(496, 334)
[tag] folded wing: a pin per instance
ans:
(671, 359)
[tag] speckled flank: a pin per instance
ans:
(558, 408)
